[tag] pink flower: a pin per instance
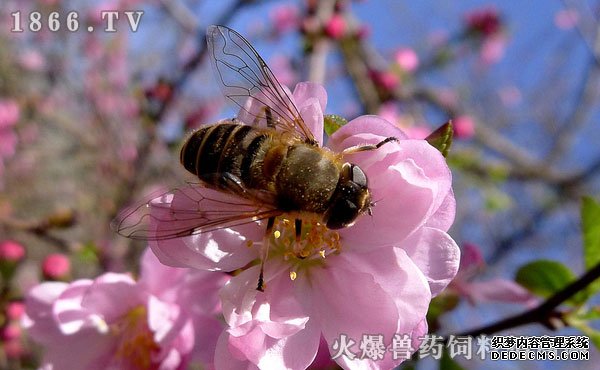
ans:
(336, 27)
(9, 113)
(492, 49)
(417, 132)
(485, 21)
(389, 111)
(32, 60)
(116, 322)
(14, 310)
(284, 17)
(9, 116)
(566, 19)
(11, 251)
(8, 143)
(510, 95)
(56, 266)
(407, 59)
(377, 276)
(283, 69)
(386, 79)
(14, 349)
(464, 127)
(495, 290)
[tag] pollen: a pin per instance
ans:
(315, 242)
(136, 346)
(293, 275)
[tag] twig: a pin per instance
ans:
(317, 56)
(544, 313)
(41, 228)
(181, 14)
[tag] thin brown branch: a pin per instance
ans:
(42, 228)
(357, 67)
(317, 55)
(545, 313)
(181, 14)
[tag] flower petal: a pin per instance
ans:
(375, 292)
(156, 277)
(107, 289)
(311, 100)
(228, 358)
(224, 249)
(403, 203)
(38, 320)
(436, 254)
(499, 290)
(444, 216)
(276, 310)
(350, 134)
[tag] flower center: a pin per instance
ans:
(135, 340)
(312, 247)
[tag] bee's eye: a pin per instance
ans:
(358, 176)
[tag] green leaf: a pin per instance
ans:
(590, 225)
(448, 363)
(589, 314)
(441, 139)
(441, 304)
(89, 253)
(585, 329)
(496, 200)
(332, 122)
(545, 278)
(594, 338)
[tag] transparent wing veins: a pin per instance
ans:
(188, 210)
(233, 56)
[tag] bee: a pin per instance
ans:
(267, 162)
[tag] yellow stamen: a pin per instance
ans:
(136, 346)
(293, 275)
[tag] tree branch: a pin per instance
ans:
(543, 314)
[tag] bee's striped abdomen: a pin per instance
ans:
(224, 148)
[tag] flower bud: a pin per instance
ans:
(336, 27)
(11, 251)
(56, 266)
(14, 310)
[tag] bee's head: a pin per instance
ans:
(350, 199)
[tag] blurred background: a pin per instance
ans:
(92, 121)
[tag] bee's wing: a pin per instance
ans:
(249, 83)
(188, 210)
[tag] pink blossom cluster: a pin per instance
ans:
(377, 276)
(166, 319)
(496, 290)
(485, 21)
(486, 24)
(9, 116)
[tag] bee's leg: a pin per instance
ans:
(297, 244)
(367, 147)
(298, 227)
(268, 117)
(264, 254)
